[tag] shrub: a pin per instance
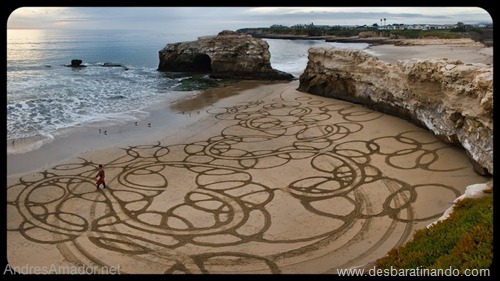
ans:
(463, 241)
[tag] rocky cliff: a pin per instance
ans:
(227, 55)
(452, 99)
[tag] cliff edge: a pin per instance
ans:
(452, 99)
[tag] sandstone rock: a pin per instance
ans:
(452, 99)
(227, 55)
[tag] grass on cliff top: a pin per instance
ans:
(463, 241)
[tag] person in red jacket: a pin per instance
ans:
(100, 174)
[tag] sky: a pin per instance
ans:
(211, 20)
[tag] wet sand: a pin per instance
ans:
(175, 111)
(265, 179)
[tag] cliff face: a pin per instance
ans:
(227, 55)
(452, 99)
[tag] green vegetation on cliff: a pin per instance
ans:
(463, 241)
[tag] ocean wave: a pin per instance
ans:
(45, 96)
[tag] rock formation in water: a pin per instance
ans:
(76, 63)
(452, 99)
(227, 55)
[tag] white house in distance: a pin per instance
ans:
(396, 26)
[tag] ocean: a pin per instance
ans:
(118, 83)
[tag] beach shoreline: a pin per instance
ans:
(176, 111)
(221, 180)
(391, 50)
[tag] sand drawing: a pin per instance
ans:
(290, 185)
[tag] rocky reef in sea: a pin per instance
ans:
(226, 55)
(452, 99)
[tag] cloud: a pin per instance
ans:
(209, 20)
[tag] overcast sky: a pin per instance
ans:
(211, 20)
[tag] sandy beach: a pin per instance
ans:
(466, 51)
(255, 177)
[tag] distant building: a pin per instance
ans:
(395, 26)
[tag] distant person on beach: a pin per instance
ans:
(100, 174)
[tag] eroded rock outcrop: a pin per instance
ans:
(227, 55)
(452, 99)
(76, 63)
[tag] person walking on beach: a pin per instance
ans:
(100, 174)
